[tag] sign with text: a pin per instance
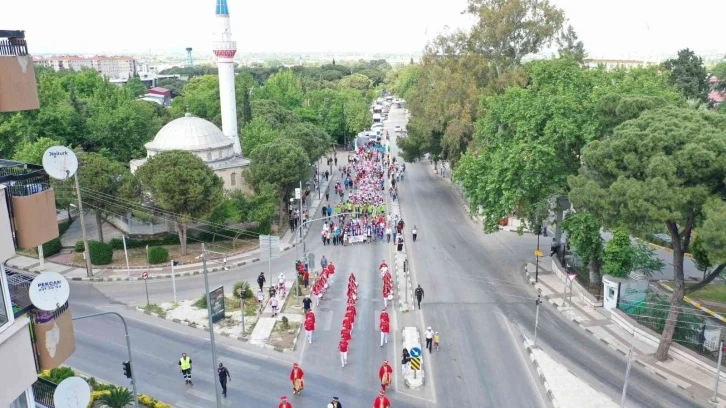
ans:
(49, 291)
(269, 247)
(216, 299)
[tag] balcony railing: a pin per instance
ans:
(12, 43)
(43, 392)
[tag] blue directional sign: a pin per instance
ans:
(415, 352)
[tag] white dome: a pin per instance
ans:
(189, 133)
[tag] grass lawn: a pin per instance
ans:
(137, 256)
(715, 292)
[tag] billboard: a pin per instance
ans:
(216, 298)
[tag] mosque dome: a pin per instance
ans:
(191, 134)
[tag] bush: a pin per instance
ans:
(158, 255)
(78, 247)
(201, 302)
(52, 247)
(117, 397)
(245, 286)
(169, 239)
(285, 323)
(63, 227)
(101, 253)
(57, 374)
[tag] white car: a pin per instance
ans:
(397, 129)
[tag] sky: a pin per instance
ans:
(609, 29)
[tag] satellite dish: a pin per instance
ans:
(49, 291)
(73, 392)
(60, 162)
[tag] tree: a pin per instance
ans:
(719, 70)
(508, 30)
(33, 152)
(284, 88)
(257, 133)
(181, 183)
(244, 85)
(700, 256)
(102, 180)
(135, 86)
(201, 98)
(281, 163)
(583, 235)
(314, 141)
(570, 46)
(618, 255)
(175, 85)
(359, 82)
(688, 75)
(655, 171)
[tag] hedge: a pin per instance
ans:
(101, 253)
(78, 247)
(170, 239)
(158, 255)
(52, 247)
(63, 226)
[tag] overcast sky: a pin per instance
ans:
(612, 28)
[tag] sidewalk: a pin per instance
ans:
(265, 323)
(695, 379)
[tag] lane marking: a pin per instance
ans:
(525, 361)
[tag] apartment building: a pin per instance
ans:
(108, 66)
(27, 220)
(611, 64)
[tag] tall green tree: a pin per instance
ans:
(135, 86)
(181, 183)
(583, 235)
(699, 254)
(257, 133)
(32, 152)
(688, 75)
(284, 88)
(201, 98)
(658, 170)
(569, 45)
(281, 163)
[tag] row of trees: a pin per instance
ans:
(634, 150)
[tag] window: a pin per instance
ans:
(21, 401)
(233, 179)
(6, 307)
(219, 154)
(209, 156)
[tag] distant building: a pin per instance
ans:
(715, 96)
(108, 66)
(611, 64)
(162, 96)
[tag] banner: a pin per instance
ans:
(216, 297)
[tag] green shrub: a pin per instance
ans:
(58, 374)
(245, 287)
(285, 323)
(63, 226)
(52, 247)
(78, 247)
(101, 253)
(201, 302)
(117, 397)
(169, 239)
(158, 255)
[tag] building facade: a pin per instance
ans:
(108, 66)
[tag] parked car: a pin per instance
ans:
(397, 129)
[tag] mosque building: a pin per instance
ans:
(220, 149)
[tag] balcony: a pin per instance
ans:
(18, 89)
(43, 392)
(18, 284)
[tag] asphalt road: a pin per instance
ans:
(476, 296)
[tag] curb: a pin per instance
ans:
(541, 376)
(244, 339)
(695, 304)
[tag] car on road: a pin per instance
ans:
(377, 125)
(397, 129)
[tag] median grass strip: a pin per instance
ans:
(154, 308)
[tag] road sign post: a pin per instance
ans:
(571, 277)
(173, 279)
(145, 276)
(536, 318)
(415, 362)
(714, 399)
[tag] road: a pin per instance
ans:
(476, 296)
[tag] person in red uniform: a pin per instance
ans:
(385, 373)
(297, 378)
(381, 401)
(284, 403)
(310, 315)
(383, 264)
(350, 314)
(331, 268)
(351, 279)
(343, 347)
(352, 294)
(309, 327)
(385, 329)
(347, 324)
(384, 315)
(345, 333)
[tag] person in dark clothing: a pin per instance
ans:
(336, 161)
(223, 377)
(307, 304)
(261, 280)
(419, 293)
(335, 403)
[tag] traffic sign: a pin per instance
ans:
(416, 363)
(538, 252)
(571, 276)
(144, 275)
(415, 352)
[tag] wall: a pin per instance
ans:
(7, 246)
(16, 354)
(226, 176)
(36, 221)
(18, 89)
(577, 289)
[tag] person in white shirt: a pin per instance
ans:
(429, 334)
(388, 234)
(274, 304)
(281, 284)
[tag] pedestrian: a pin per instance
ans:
(297, 378)
(419, 293)
(274, 304)
(335, 160)
(405, 359)
(429, 334)
(385, 329)
(414, 232)
(284, 403)
(261, 299)
(306, 278)
(261, 280)
(327, 192)
(309, 328)
(388, 235)
(185, 365)
(400, 242)
(343, 347)
(381, 401)
(385, 374)
(436, 341)
(223, 377)
(323, 262)
(307, 303)
(335, 403)
(325, 211)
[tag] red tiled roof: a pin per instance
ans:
(159, 90)
(717, 96)
(713, 80)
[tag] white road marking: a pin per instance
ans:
(525, 360)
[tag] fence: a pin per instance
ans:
(13, 47)
(43, 392)
(690, 329)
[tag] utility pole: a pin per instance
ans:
(87, 252)
(126, 254)
(536, 270)
(211, 327)
(627, 376)
(299, 206)
(536, 318)
(714, 399)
